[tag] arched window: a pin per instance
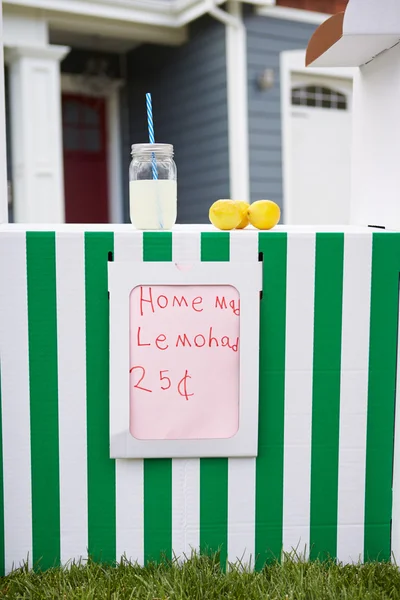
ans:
(318, 97)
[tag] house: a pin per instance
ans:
(230, 92)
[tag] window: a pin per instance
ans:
(82, 125)
(318, 97)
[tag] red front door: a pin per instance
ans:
(85, 159)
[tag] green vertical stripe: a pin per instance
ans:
(215, 247)
(157, 247)
(381, 394)
(2, 549)
(326, 394)
(157, 472)
(101, 468)
(214, 471)
(42, 332)
(269, 464)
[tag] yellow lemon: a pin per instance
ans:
(225, 214)
(264, 214)
(244, 207)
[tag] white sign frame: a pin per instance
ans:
(122, 278)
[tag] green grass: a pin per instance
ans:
(201, 578)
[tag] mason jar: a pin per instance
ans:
(152, 186)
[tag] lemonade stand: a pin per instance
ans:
(164, 391)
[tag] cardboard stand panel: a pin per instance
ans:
(376, 130)
(367, 36)
(202, 304)
(322, 478)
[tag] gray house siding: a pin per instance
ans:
(8, 137)
(189, 90)
(266, 39)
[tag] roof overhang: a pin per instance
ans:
(163, 13)
(350, 39)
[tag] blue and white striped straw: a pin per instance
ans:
(150, 126)
(151, 133)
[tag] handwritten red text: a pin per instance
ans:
(165, 382)
(151, 302)
(183, 340)
(222, 303)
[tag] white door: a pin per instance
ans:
(320, 151)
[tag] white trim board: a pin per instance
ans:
(173, 14)
(236, 68)
(292, 14)
(3, 144)
(189, 10)
(293, 62)
(104, 9)
(249, 232)
(72, 84)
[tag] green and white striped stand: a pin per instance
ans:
(322, 481)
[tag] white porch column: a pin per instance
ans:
(236, 66)
(36, 132)
(3, 151)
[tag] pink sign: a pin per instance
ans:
(184, 362)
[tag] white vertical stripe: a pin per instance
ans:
(130, 509)
(14, 353)
(298, 391)
(185, 507)
(185, 472)
(354, 396)
(71, 343)
(129, 472)
(241, 510)
(242, 471)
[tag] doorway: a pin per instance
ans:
(316, 107)
(321, 124)
(85, 159)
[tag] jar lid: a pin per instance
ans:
(152, 148)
